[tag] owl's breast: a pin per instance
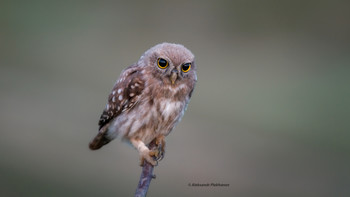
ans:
(157, 113)
(169, 112)
(170, 108)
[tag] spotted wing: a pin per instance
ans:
(125, 94)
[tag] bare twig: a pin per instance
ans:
(146, 176)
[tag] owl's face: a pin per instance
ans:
(172, 64)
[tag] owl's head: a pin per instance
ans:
(170, 63)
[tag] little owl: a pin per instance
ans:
(148, 100)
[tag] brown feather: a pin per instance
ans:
(130, 78)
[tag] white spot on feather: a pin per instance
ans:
(120, 97)
(119, 90)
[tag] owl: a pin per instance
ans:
(148, 100)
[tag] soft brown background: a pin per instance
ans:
(270, 115)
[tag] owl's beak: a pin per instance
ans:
(173, 76)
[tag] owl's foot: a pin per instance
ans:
(160, 143)
(150, 156)
(145, 152)
(155, 154)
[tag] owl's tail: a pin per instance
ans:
(100, 140)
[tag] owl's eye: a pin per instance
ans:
(162, 63)
(186, 67)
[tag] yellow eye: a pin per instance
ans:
(186, 67)
(162, 63)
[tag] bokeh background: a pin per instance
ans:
(270, 115)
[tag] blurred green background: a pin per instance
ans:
(270, 114)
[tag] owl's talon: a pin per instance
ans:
(160, 148)
(149, 156)
(160, 154)
(154, 153)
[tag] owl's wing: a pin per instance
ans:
(125, 94)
